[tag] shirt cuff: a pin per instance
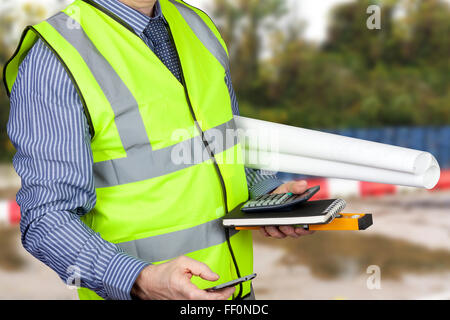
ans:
(121, 274)
(264, 187)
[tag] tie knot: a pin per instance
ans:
(156, 31)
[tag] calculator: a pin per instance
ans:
(278, 202)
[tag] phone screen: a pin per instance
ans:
(233, 283)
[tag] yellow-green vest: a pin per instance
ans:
(156, 197)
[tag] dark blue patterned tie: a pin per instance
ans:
(164, 49)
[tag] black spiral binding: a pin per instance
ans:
(336, 207)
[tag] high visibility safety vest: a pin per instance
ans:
(156, 197)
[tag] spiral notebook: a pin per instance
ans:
(310, 212)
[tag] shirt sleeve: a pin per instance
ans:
(49, 130)
(259, 182)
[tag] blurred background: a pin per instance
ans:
(312, 64)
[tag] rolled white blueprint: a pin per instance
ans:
(333, 169)
(278, 138)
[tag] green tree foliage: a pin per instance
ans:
(397, 75)
(243, 23)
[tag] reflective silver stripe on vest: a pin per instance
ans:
(128, 120)
(178, 243)
(151, 164)
(204, 33)
(142, 162)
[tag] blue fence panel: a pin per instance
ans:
(374, 135)
(432, 142)
(346, 132)
(402, 138)
(445, 146)
(435, 140)
(361, 134)
(388, 135)
(417, 138)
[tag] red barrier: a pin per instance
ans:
(444, 181)
(331, 188)
(14, 212)
(375, 189)
(324, 191)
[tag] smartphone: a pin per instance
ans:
(232, 283)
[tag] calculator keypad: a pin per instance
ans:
(269, 202)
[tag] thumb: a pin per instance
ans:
(298, 187)
(202, 270)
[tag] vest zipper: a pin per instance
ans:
(211, 153)
(205, 142)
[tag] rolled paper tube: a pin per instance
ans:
(334, 169)
(278, 138)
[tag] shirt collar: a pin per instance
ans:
(137, 20)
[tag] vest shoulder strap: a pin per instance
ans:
(205, 29)
(29, 37)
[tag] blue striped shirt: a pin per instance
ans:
(48, 127)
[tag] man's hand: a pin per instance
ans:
(281, 232)
(172, 281)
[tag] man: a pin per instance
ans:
(97, 92)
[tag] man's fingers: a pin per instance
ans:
(283, 231)
(289, 231)
(298, 187)
(274, 232)
(264, 232)
(198, 269)
(303, 232)
(191, 292)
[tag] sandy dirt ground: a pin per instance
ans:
(421, 218)
(294, 282)
(33, 281)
